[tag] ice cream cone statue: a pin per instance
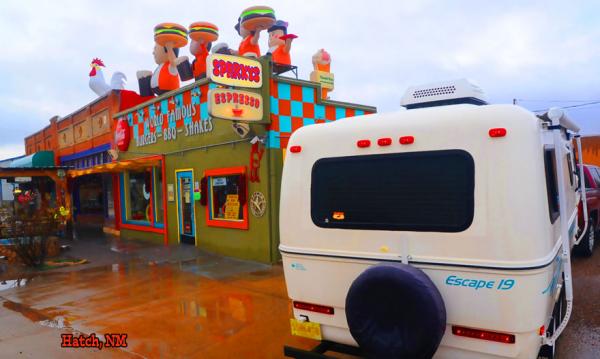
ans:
(251, 22)
(280, 43)
(322, 72)
(202, 35)
(168, 39)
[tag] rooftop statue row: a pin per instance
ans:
(172, 68)
(170, 37)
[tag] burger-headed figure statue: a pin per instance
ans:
(202, 35)
(251, 22)
(280, 43)
(168, 38)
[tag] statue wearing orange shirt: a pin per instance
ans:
(280, 43)
(249, 46)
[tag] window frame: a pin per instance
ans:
(438, 228)
(551, 183)
(226, 223)
(131, 224)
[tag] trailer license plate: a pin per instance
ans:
(310, 330)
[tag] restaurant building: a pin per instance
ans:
(214, 153)
(82, 140)
(197, 166)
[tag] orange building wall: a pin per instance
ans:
(47, 139)
(590, 149)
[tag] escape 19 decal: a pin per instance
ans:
(234, 71)
(177, 116)
(476, 284)
(235, 105)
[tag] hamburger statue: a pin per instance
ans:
(251, 22)
(168, 38)
(202, 35)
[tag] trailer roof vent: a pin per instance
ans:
(443, 93)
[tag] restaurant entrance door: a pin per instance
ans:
(185, 206)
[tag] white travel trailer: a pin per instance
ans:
(444, 230)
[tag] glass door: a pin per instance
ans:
(185, 207)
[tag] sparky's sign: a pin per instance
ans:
(235, 105)
(234, 71)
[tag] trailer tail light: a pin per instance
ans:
(497, 132)
(384, 141)
(363, 143)
(295, 149)
(483, 334)
(313, 307)
(406, 140)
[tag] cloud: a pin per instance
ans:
(514, 49)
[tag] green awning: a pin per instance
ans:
(38, 159)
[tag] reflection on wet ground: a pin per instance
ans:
(210, 307)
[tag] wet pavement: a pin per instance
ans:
(581, 338)
(208, 307)
(179, 302)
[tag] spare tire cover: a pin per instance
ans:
(395, 311)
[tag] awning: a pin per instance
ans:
(119, 166)
(38, 159)
(54, 172)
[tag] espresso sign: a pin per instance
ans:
(235, 105)
(234, 71)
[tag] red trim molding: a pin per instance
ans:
(243, 224)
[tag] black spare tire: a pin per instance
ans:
(395, 311)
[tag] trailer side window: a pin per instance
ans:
(430, 191)
(570, 166)
(551, 183)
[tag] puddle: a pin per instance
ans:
(58, 322)
(27, 312)
(14, 283)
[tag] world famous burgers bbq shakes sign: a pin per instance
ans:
(180, 115)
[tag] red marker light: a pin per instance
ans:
(483, 335)
(237, 112)
(407, 140)
(313, 307)
(497, 132)
(384, 141)
(295, 149)
(363, 143)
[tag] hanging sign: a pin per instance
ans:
(324, 78)
(235, 105)
(122, 135)
(234, 70)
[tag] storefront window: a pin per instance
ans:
(158, 195)
(227, 198)
(140, 192)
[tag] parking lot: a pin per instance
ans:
(207, 306)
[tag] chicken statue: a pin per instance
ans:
(99, 85)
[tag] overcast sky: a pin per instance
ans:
(545, 53)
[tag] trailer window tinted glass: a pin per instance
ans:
(551, 183)
(418, 191)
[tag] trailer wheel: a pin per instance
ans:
(395, 311)
(585, 248)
